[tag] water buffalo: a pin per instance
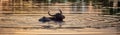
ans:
(58, 17)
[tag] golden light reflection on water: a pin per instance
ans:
(12, 31)
(29, 25)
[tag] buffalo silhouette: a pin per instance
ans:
(58, 17)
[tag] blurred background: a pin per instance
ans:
(68, 6)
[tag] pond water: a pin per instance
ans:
(75, 24)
